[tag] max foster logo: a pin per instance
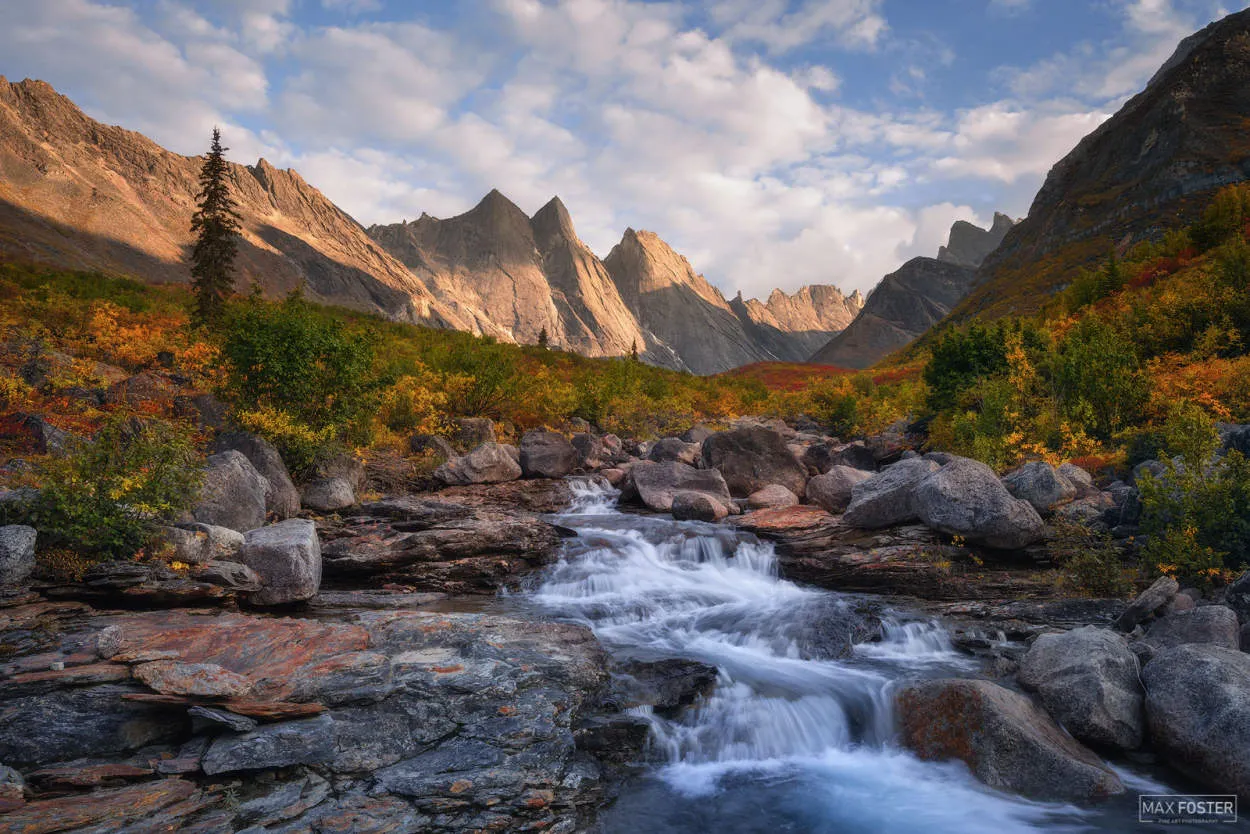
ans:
(1177, 809)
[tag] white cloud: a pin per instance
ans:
(779, 28)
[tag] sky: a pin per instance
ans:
(775, 143)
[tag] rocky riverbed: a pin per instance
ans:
(329, 670)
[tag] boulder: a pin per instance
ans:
(431, 444)
(32, 433)
(344, 465)
(818, 458)
(674, 449)
(196, 544)
(1237, 596)
(205, 410)
(752, 458)
(233, 494)
(614, 477)
(1235, 437)
(773, 495)
(229, 575)
(656, 484)
(327, 495)
(1006, 741)
(1214, 625)
(1198, 713)
(17, 554)
(1091, 510)
(287, 557)
(885, 499)
(832, 490)
(490, 463)
(698, 506)
(591, 452)
(855, 455)
(696, 434)
(547, 454)
(1078, 477)
(1039, 484)
(1147, 603)
(472, 432)
(283, 499)
(965, 498)
(1087, 679)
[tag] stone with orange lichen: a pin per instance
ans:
(116, 807)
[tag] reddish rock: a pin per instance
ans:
(86, 776)
(115, 807)
(171, 677)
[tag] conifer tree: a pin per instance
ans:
(543, 338)
(633, 350)
(216, 225)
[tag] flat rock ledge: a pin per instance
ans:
(375, 717)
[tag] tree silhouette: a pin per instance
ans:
(633, 350)
(543, 339)
(216, 224)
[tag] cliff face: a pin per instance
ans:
(970, 245)
(903, 306)
(76, 193)
(792, 327)
(1146, 169)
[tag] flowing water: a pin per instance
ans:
(787, 741)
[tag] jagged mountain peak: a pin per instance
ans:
(553, 221)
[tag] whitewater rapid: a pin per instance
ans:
(790, 739)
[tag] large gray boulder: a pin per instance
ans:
(471, 432)
(592, 453)
(327, 495)
(698, 506)
(547, 454)
(773, 496)
(287, 557)
(1237, 596)
(885, 499)
(233, 494)
(1198, 712)
(753, 457)
(490, 463)
(1078, 477)
(655, 485)
(675, 449)
(198, 544)
(1040, 485)
(283, 498)
(1214, 625)
(1147, 603)
(1006, 741)
(832, 490)
(965, 498)
(1088, 681)
(17, 553)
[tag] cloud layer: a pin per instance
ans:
(762, 138)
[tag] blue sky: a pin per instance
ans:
(776, 143)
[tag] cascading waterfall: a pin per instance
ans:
(796, 735)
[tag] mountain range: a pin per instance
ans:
(77, 193)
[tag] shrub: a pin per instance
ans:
(960, 359)
(294, 358)
(105, 500)
(300, 445)
(1094, 285)
(1097, 380)
(1226, 215)
(1089, 560)
(1196, 515)
(835, 408)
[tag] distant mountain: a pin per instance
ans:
(911, 300)
(80, 194)
(1148, 168)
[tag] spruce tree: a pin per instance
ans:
(633, 350)
(216, 225)
(543, 339)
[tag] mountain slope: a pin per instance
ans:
(911, 300)
(902, 307)
(77, 193)
(1146, 169)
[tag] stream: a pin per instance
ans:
(788, 741)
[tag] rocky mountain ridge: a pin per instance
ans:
(1148, 168)
(79, 194)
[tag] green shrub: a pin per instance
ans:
(1226, 215)
(960, 359)
(835, 409)
(1196, 515)
(1094, 285)
(105, 500)
(1097, 380)
(1090, 561)
(294, 358)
